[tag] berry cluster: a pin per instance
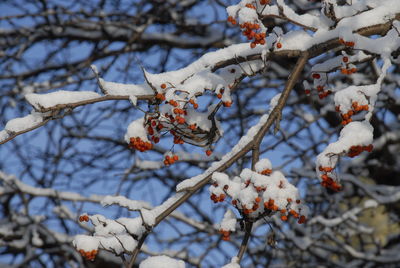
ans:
(358, 149)
(328, 181)
(285, 213)
(256, 194)
(266, 171)
(260, 204)
(140, 145)
(170, 159)
(346, 117)
(319, 81)
(84, 218)
(225, 234)
(171, 114)
(346, 43)
(347, 68)
(89, 255)
(323, 93)
(220, 197)
(348, 71)
(232, 20)
(253, 30)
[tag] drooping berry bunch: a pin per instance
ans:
(358, 149)
(327, 180)
(170, 159)
(89, 255)
(140, 145)
(253, 29)
(225, 234)
(252, 32)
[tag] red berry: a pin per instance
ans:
(316, 76)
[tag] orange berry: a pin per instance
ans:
(163, 86)
(284, 217)
(208, 152)
(175, 157)
(302, 219)
(253, 44)
(219, 95)
(180, 120)
(160, 96)
(278, 45)
(258, 199)
(266, 172)
(345, 59)
(227, 103)
(226, 238)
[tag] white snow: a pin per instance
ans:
(233, 264)
(4, 135)
(353, 134)
(161, 262)
(119, 89)
(149, 217)
(124, 202)
(263, 164)
(136, 129)
(59, 97)
(85, 242)
(229, 221)
(23, 123)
